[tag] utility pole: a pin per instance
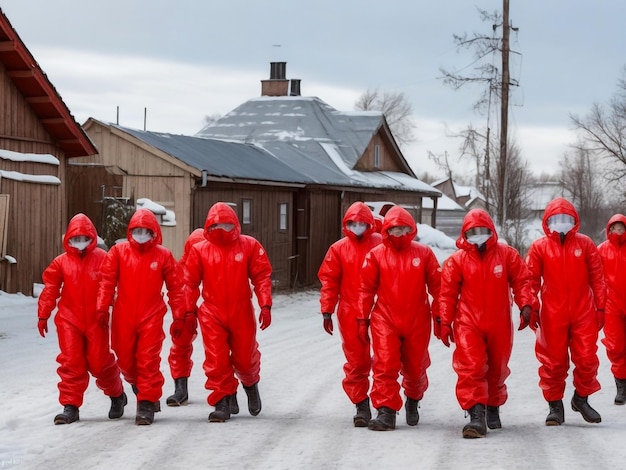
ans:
(504, 114)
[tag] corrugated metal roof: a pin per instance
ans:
(221, 159)
(289, 140)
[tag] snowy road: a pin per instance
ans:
(306, 420)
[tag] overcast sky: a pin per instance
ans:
(186, 59)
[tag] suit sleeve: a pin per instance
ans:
(329, 275)
(433, 281)
(52, 280)
(451, 280)
(369, 284)
(261, 275)
(596, 276)
(110, 274)
(174, 281)
(520, 280)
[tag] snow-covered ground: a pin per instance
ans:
(306, 420)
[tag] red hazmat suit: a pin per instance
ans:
(180, 353)
(568, 275)
(132, 280)
(476, 300)
(613, 254)
(340, 276)
(225, 263)
(74, 276)
(393, 295)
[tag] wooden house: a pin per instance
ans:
(289, 165)
(38, 136)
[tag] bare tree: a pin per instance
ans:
(483, 72)
(494, 83)
(603, 132)
(397, 110)
(517, 200)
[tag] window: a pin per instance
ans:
(377, 156)
(282, 216)
(245, 208)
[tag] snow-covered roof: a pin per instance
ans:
(443, 204)
(266, 151)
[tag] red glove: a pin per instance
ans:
(364, 324)
(42, 326)
(447, 336)
(437, 327)
(527, 317)
(102, 318)
(265, 317)
(191, 324)
(600, 318)
(328, 323)
(177, 329)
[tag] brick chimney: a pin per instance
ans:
(277, 85)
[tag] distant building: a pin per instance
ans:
(290, 165)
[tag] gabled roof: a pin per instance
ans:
(247, 161)
(40, 94)
(305, 123)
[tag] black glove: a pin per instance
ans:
(328, 323)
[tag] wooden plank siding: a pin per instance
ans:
(89, 185)
(264, 220)
(37, 212)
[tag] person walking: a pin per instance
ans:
(133, 274)
(613, 254)
(339, 275)
(72, 279)
(397, 277)
(475, 306)
(181, 350)
(226, 263)
(567, 273)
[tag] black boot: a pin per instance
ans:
(69, 415)
(234, 404)
(412, 415)
(493, 417)
(581, 405)
(254, 399)
(180, 396)
(477, 427)
(117, 406)
(385, 421)
(363, 414)
(556, 416)
(145, 412)
(620, 398)
(222, 411)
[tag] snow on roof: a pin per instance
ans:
(443, 204)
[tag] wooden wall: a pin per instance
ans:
(264, 220)
(37, 212)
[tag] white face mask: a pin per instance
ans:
(478, 239)
(561, 227)
(141, 235)
(358, 228)
(80, 242)
(225, 227)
